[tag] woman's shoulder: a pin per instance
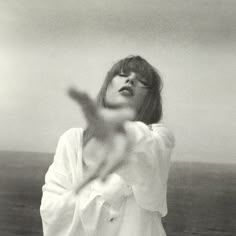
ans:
(72, 135)
(156, 127)
(158, 131)
(164, 132)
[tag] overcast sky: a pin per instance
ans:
(46, 46)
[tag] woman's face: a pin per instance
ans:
(127, 90)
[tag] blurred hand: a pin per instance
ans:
(110, 144)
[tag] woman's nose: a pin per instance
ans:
(129, 81)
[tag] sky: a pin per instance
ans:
(48, 46)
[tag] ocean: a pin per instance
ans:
(201, 196)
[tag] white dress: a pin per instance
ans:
(131, 202)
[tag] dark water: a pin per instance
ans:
(201, 200)
(201, 197)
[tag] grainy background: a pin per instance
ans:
(46, 46)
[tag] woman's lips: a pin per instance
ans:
(127, 91)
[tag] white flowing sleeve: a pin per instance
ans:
(148, 166)
(58, 200)
(63, 212)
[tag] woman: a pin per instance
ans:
(111, 179)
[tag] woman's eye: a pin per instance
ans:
(144, 83)
(123, 75)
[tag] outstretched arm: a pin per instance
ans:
(137, 152)
(109, 135)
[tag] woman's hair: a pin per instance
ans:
(151, 111)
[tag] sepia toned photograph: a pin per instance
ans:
(117, 118)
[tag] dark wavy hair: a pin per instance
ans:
(151, 111)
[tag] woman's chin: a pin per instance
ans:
(119, 102)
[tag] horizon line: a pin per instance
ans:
(172, 160)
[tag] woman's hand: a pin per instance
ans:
(109, 136)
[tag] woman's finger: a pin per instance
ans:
(87, 104)
(120, 152)
(116, 118)
(92, 116)
(92, 176)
